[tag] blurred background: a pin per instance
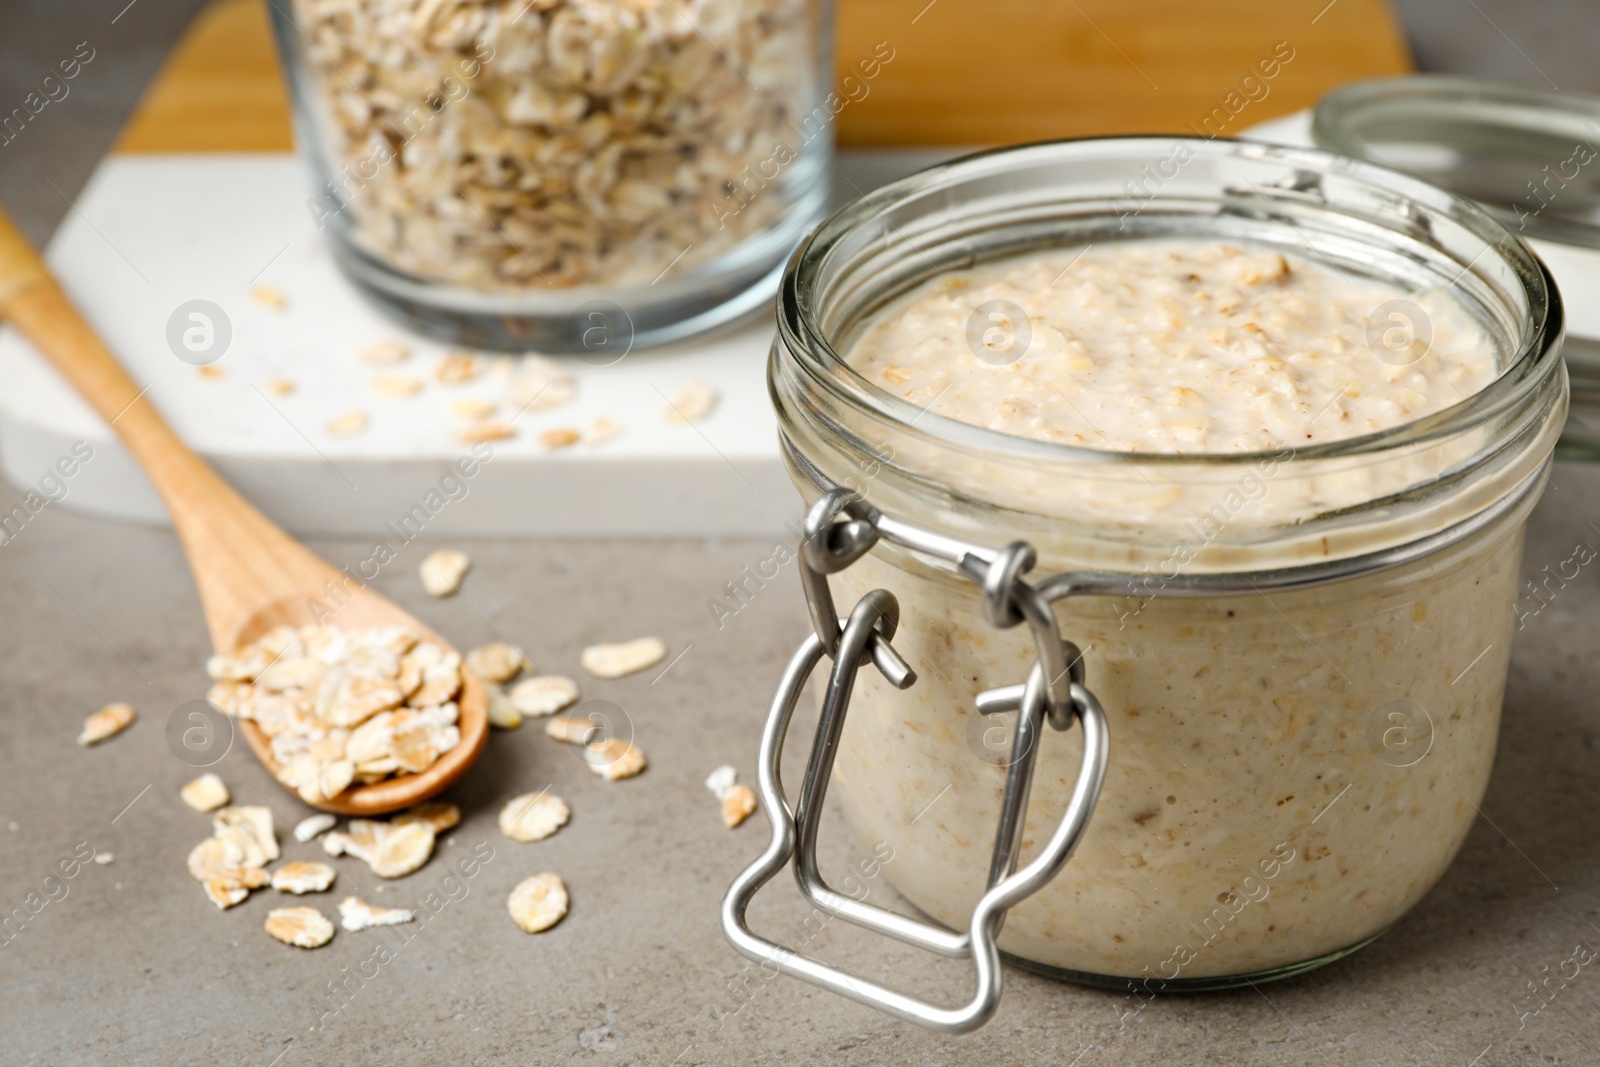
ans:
(1541, 44)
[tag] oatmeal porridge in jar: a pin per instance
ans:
(1272, 434)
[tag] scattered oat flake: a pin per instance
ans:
(501, 711)
(540, 384)
(205, 793)
(106, 723)
(538, 903)
(437, 814)
(224, 891)
(103, 858)
(691, 401)
(348, 425)
(627, 657)
(543, 694)
(615, 759)
(738, 804)
(211, 371)
(395, 386)
(280, 386)
(533, 816)
(303, 876)
(301, 926)
(385, 353)
(571, 730)
(252, 819)
(457, 367)
(602, 430)
(484, 430)
(269, 296)
(560, 437)
(357, 914)
(402, 850)
(497, 661)
(309, 828)
(721, 780)
(443, 570)
(207, 858)
(227, 886)
(468, 407)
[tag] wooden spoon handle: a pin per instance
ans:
(33, 301)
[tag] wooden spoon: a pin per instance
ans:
(252, 576)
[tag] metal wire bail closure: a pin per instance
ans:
(840, 530)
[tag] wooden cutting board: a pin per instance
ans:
(963, 72)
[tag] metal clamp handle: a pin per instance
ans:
(865, 638)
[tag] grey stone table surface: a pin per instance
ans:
(127, 963)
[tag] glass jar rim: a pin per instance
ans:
(1536, 354)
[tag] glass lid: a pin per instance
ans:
(1531, 158)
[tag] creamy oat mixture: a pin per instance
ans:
(1168, 347)
(1236, 726)
(1288, 774)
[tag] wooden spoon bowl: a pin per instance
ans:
(252, 575)
(365, 610)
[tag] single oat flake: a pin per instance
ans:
(601, 430)
(540, 384)
(312, 826)
(615, 759)
(469, 407)
(437, 814)
(571, 730)
(738, 801)
(691, 402)
(543, 695)
(348, 425)
(357, 914)
(301, 926)
(624, 658)
(384, 353)
(484, 430)
(443, 570)
(559, 438)
(533, 816)
(106, 723)
(402, 849)
(303, 876)
(538, 903)
(457, 367)
(395, 386)
(497, 662)
(278, 386)
(269, 296)
(230, 885)
(205, 793)
(501, 711)
(252, 819)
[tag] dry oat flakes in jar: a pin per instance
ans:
(567, 175)
(1178, 484)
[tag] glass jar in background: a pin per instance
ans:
(557, 174)
(1302, 697)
